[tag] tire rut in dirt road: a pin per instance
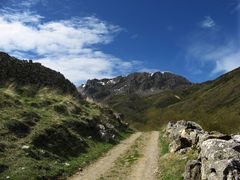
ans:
(95, 170)
(147, 166)
(124, 163)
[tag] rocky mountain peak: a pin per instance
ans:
(139, 82)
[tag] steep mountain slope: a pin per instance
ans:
(213, 104)
(46, 129)
(138, 83)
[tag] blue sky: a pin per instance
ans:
(85, 39)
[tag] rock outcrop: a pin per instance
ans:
(184, 134)
(219, 154)
(220, 159)
(25, 72)
(141, 83)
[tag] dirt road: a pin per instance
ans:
(136, 158)
(147, 166)
(101, 166)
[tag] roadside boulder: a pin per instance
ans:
(184, 134)
(220, 159)
(218, 153)
(105, 132)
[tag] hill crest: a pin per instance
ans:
(27, 72)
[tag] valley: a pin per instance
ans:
(119, 90)
(121, 128)
(213, 104)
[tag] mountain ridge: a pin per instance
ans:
(213, 104)
(27, 72)
(139, 82)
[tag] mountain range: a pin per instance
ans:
(49, 127)
(135, 83)
(149, 101)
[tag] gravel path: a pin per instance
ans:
(147, 167)
(101, 166)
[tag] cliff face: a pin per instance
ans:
(140, 83)
(25, 72)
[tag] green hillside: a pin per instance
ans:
(214, 104)
(47, 130)
(47, 134)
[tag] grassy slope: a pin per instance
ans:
(43, 134)
(142, 112)
(214, 105)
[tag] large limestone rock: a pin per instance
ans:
(219, 154)
(184, 134)
(220, 159)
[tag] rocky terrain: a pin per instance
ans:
(218, 154)
(139, 83)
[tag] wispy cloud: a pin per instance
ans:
(12, 15)
(208, 22)
(89, 66)
(228, 63)
(69, 46)
(224, 57)
(23, 4)
(213, 52)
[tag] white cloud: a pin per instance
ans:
(227, 62)
(88, 66)
(68, 46)
(17, 16)
(225, 57)
(65, 37)
(208, 22)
